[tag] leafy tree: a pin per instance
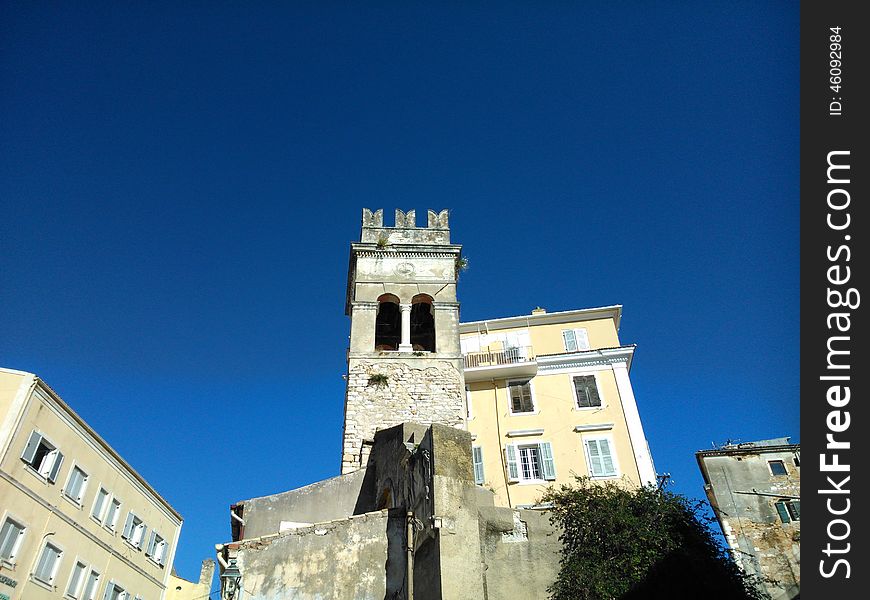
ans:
(631, 543)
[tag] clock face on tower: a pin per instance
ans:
(405, 269)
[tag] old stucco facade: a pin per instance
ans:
(404, 361)
(754, 489)
(76, 520)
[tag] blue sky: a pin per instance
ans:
(179, 186)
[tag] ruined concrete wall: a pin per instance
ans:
(520, 550)
(339, 560)
(425, 391)
(326, 500)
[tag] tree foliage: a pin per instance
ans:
(630, 543)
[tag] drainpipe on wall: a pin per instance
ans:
(410, 542)
(507, 489)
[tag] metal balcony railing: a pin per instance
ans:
(491, 358)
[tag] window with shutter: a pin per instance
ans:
(513, 468)
(11, 534)
(113, 514)
(101, 501)
(600, 457)
(477, 459)
(93, 582)
(76, 484)
(42, 456)
(575, 339)
(46, 567)
(549, 466)
(586, 391)
(76, 579)
(521, 397)
(783, 512)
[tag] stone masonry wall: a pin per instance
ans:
(431, 393)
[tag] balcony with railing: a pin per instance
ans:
(508, 362)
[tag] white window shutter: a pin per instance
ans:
(55, 467)
(30, 448)
(547, 461)
(110, 587)
(594, 457)
(570, 340)
(513, 468)
(128, 526)
(140, 539)
(606, 458)
(477, 459)
(582, 338)
(161, 551)
(149, 548)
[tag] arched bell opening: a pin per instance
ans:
(388, 323)
(422, 323)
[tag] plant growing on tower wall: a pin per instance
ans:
(378, 379)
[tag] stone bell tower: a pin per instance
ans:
(404, 360)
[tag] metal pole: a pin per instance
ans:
(410, 541)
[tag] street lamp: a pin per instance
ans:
(231, 578)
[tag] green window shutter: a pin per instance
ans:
(477, 458)
(794, 510)
(783, 513)
(513, 468)
(547, 461)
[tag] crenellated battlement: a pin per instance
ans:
(405, 230)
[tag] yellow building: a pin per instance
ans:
(76, 521)
(549, 397)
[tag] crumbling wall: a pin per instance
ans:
(520, 550)
(334, 498)
(340, 560)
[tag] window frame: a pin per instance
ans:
(574, 332)
(477, 464)
(597, 381)
(510, 401)
(786, 509)
(779, 462)
(104, 509)
(19, 524)
(50, 463)
(113, 524)
(588, 455)
(123, 593)
(54, 568)
(513, 463)
(96, 588)
(155, 550)
(134, 532)
(80, 586)
(79, 500)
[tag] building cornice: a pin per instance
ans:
(551, 318)
(586, 358)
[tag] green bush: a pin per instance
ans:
(637, 543)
